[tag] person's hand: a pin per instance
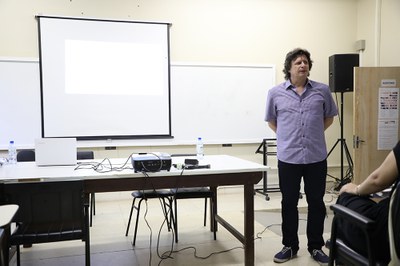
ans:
(349, 188)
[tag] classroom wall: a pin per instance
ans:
(377, 24)
(234, 31)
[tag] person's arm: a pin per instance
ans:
(378, 180)
(272, 125)
(328, 122)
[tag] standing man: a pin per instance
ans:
(299, 110)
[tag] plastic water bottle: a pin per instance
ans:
(199, 148)
(12, 153)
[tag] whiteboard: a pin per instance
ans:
(220, 103)
(20, 102)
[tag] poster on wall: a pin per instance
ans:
(388, 118)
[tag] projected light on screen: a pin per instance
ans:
(90, 68)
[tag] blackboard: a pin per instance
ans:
(220, 103)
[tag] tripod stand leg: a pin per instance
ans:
(349, 160)
(344, 151)
(336, 143)
(349, 176)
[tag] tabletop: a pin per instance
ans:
(122, 167)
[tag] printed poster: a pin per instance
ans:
(388, 118)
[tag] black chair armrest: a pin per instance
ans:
(338, 249)
(353, 217)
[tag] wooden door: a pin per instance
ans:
(368, 84)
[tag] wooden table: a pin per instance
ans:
(224, 171)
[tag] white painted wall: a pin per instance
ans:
(234, 31)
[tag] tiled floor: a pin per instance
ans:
(196, 246)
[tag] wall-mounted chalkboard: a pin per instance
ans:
(220, 103)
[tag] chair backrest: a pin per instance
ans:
(29, 155)
(26, 156)
(85, 155)
(394, 226)
(57, 206)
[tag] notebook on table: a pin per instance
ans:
(55, 151)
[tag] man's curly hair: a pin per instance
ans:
(292, 55)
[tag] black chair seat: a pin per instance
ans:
(164, 194)
(48, 232)
(151, 194)
(194, 193)
(191, 192)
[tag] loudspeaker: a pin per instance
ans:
(341, 73)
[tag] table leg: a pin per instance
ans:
(214, 210)
(5, 245)
(249, 224)
(87, 237)
(247, 239)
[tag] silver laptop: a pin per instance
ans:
(55, 151)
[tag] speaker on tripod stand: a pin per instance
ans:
(341, 77)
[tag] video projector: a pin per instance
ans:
(151, 162)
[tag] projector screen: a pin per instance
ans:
(104, 79)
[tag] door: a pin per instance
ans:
(368, 84)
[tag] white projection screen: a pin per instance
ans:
(104, 79)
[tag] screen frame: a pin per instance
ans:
(164, 133)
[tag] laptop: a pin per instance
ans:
(55, 151)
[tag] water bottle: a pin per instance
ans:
(12, 153)
(199, 149)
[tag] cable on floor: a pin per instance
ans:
(195, 253)
(258, 235)
(166, 214)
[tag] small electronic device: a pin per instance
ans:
(151, 162)
(191, 162)
(189, 167)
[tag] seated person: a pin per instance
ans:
(356, 197)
